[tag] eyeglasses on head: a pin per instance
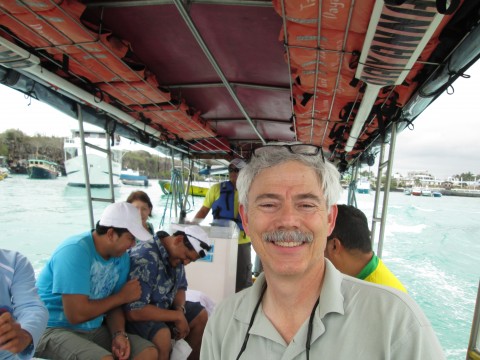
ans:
(300, 149)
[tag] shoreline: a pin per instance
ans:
(445, 192)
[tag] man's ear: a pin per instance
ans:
(243, 215)
(337, 245)
(110, 234)
(332, 217)
(178, 239)
(334, 246)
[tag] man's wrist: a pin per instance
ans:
(119, 333)
(27, 339)
(181, 308)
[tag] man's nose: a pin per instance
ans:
(288, 215)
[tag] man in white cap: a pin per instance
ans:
(222, 198)
(162, 312)
(84, 285)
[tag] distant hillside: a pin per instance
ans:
(18, 147)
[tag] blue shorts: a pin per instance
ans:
(148, 329)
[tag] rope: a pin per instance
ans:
(177, 195)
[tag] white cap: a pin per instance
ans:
(126, 216)
(238, 163)
(198, 238)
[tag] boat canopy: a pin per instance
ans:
(214, 79)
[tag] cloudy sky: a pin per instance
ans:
(446, 137)
(445, 141)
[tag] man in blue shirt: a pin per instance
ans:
(84, 285)
(162, 313)
(23, 317)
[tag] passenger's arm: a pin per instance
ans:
(80, 308)
(202, 213)
(115, 320)
(180, 298)
(30, 315)
(12, 337)
(153, 313)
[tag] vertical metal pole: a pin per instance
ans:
(189, 184)
(378, 185)
(473, 345)
(173, 184)
(110, 169)
(352, 187)
(85, 166)
(391, 152)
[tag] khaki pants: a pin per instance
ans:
(66, 344)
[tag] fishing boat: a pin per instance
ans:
(194, 190)
(416, 191)
(426, 192)
(97, 160)
(363, 186)
(132, 177)
(42, 169)
(346, 76)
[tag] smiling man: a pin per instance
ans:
(302, 307)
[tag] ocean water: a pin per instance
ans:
(431, 244)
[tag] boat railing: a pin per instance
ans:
(473, 352)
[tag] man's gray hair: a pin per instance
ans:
(328, 175)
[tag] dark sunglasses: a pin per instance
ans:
(301, 149)
(202, 243)
(233, 169)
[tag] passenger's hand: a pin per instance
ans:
(182, 328)
(131, 291)
(12, 337)
(121, 347)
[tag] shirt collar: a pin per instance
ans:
(331, 298)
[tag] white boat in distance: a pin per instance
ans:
(133, 177)
(363, 186)
(97, 160)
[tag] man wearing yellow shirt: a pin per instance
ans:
(222, 198)
(349, 248)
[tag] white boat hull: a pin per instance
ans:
(363, 186)
(97, 169)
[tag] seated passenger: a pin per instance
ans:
(142, 202)
(162, 313)
(23, 317)
(349, 248)
(84, 285)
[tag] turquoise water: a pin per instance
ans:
(432, 244)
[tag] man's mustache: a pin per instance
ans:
(287, 236)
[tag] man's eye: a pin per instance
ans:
(267, 206)
(307, 206)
